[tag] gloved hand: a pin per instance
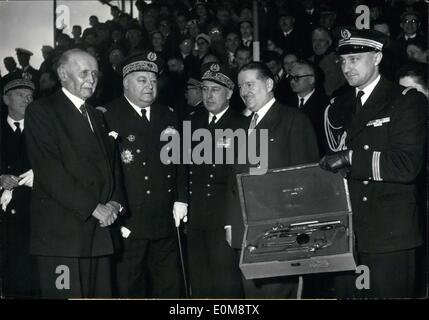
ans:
(5, 199)
(26, 179)
(180, 211)
(336, 161)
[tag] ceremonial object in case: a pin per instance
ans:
(298, 220)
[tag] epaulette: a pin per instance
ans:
(102, 109)
(171, 109)
(405, 91)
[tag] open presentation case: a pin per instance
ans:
(298, 220)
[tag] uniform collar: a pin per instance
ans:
(138, 109)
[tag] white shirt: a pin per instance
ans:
(263, 111)
(287, 32)
(306, 97)
(139, 110)
(410, 36)
(218, 116)
(77, 102)
(368, 90)
(11, 123)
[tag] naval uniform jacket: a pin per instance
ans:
(208, 182)
(387, 137)
(14, 161)
(291, 142)
(151, 186)
(74, 171)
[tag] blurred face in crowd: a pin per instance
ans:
(302, 79)
(201, 10)
(246, 14)
(134, 37)
(215, 96)
(93, 20)
(164, 27)
(115, 57)
(193, 95)
(17, 101)
(117, 35)
(232, 42)
(327, 20)
(360, 69)
(286, 23)
(193, 29)
(243, 57)
(210, 58)
(90, 39)
(410, 81)
(203, 46)
(77, 31)
(223, 16)
(289, 61)
(215, 34)
(175, 65)
(10, 64)
(79, 75)
(181, 22)
(410, 24)
(254, 90)
(46, 82)
(141, 88)
(383, 28)
(157, 40)
(274, 66)
(321, 42)
(23, 59)
(186, 46)
(246, 30)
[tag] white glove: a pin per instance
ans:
(180, 211)
(5, 199)
(26, 179)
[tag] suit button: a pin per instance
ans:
(364, 199)
(211, 176)
(190, 172)
(214, 166)
(169, 190)
(148, 192)
(208, 185)
(208, 194)
(168, 176)
(144, 163)
(190, 192)
(146, 178)
(190, 182)
(366, 147)
(138, 151)
(8, 167)
(365, 182)
(13, 211)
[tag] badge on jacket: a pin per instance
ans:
(378, 122)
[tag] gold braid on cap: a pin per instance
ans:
(218, 77)
(139, 66)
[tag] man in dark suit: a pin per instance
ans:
(155, 187)
(380, 147)
(291, 141)
(207, 249)
(309, 98)
(28, 72)
(16, 178)
(76, 192)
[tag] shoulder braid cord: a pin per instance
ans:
(333, 142)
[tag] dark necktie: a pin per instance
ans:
(212, 122)
(144, 116)
(17, 132)
(358, 107)
(301, 103)
(84, 112)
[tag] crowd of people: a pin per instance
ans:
(84, 186)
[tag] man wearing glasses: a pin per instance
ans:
(309, 97)
(380, 150)
(410, 25)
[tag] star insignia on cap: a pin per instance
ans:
(345, 34)
(215, 67)
(151, 56)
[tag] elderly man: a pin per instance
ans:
(77, 192)
(16, 178)
(380, 149)
(326, 59)
(149, 265)
(208, 251)
(291, 141)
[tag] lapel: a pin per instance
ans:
(373, 105)
(271, 118)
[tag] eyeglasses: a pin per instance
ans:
(411, 21)
(297, 78)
